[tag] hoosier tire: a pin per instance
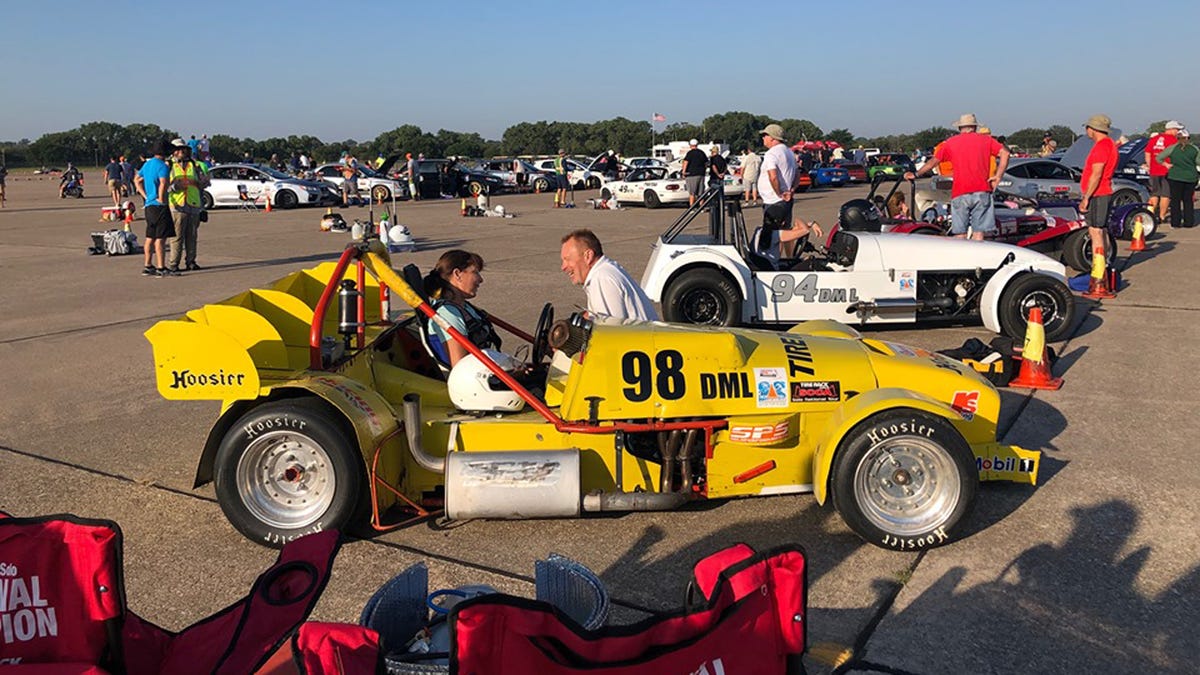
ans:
(287, 469)
(904, 480)
(702, 296)
(1053, 296)
(1077, 250)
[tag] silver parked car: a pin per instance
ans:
(1048, 179)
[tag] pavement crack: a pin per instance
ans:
(868, 631)
(84, 329)
(107, 474)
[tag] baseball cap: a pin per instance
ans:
(773, 130)
(1174, 124)
(1184, 133)
(693, 142)
(1101, 123)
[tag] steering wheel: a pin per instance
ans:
(541, 337)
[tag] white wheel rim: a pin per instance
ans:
(907, 485)
(285, 480)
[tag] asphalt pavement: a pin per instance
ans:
(1097, 569)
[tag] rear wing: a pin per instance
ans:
(237, 347)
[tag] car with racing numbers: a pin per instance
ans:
(334, 415)
(719, 276)
(656, 186)
(370, 182)
(228, 182)
(1048, 179)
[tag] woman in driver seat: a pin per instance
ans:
(454, 280)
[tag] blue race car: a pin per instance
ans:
(829, 175)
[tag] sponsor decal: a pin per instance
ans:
(799, 358)
(770, 388)
(725, 385)
(355, 400)
(908, 281)
(901, 350)
(273, 423)
(902, 543)
(785, 286)
(759, 433)
(811, 392)
(884, 432)
(186, 378)
(1004, 464)
(714, 667)
(966, 403)
(24, 613)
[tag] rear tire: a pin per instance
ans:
(380, 193)
(1123, 197)
(1149, 223)
(606, 194)
(651, 199)
(287, 469)
(1077, 250)
(475, 188)
(904, 480)
(541, 185)
(704, 297)
(206, 200)
(1026, 290)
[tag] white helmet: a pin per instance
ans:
(500, 209)
(399, 233)
(469, 388)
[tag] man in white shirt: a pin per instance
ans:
(610, 290)
(776, 183)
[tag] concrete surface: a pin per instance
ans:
(1096, 569)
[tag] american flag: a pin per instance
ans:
(659, 117)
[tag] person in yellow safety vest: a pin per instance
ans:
(186, 180)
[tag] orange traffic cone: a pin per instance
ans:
(1139, 237)
(463, 208)
(1098, 282)
(268, 198)
(1035, 364)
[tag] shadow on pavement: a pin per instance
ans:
(1077, 608)
(1091, 319)
(1068, 359)
(1153, 250)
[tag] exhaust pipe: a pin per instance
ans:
(866, 308)
(633, 501)
(412, 430)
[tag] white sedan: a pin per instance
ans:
(577, 174)
(260, 183)
(654, 186)
(370, 182)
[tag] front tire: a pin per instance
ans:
(1077, 250)
(287, 469)
(702, 297)
(541, 185)
(475, 188)
(650, 198)
(206, 200)
(1027, 290)
(1149, 223)
(904, 480)
(286, 199)
(380, 194)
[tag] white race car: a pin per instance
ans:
(715, 276)
(259, 183)
(370, 182)
(654, 186)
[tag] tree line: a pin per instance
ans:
(95, 142)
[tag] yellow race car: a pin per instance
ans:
(333, 411)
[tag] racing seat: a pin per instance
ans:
(412, 276)
(843, 248)
(762, 256)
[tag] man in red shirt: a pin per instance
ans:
(1160, 191)
(1096, 186)
(971, 153)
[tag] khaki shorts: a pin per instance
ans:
(114, 184)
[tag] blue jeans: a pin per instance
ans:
(973, 210)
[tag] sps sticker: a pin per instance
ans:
(770, 387)
(759, 433)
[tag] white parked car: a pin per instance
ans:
(721, 278)
(654, 186)
(577, 174)
(259, 182)
(370, 182)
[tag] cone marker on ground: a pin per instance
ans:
(1035, 364)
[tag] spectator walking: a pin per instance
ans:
(971, 153)
(1096, 186)
(609, 288)
(152, 182)
(3, 180)
(695, 165)
(1181, 177)
(1049, 145)
(560, 178)
(205, 154)
(112, 178)
(750, 164)
(518, 168)
(188, 177)
(776, 183)
(860, 156)
(305, 162)
(1160, 190)
(718, 168)
(350, 181)
(126, 177)
(412, 167)
(70, 176)
(193, 146)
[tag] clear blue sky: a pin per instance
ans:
(349, 69)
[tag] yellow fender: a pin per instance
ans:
(858, 409)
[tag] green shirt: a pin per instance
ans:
(1184, 158)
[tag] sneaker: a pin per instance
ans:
(173, 271)
(148, 271)
(193, 267)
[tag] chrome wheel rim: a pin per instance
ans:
(907, 485)
(285, 480)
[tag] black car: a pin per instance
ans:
(445, 177)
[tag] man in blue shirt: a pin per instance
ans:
(152, 182)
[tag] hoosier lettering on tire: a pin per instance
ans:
(904, 480)
(286, 469)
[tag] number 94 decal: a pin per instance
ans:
(784, 287)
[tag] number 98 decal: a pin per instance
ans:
(666, 375)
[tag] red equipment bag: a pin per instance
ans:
(327, 649)
(752, 623)
(62, 605)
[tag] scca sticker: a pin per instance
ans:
(770, 388)
(908, 281)
(809, 392)
(759, 433)
(966, 403)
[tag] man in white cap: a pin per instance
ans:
(695, 165)
(971, 153)
(1160, 191)
(776, 183)
(1096, 186)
